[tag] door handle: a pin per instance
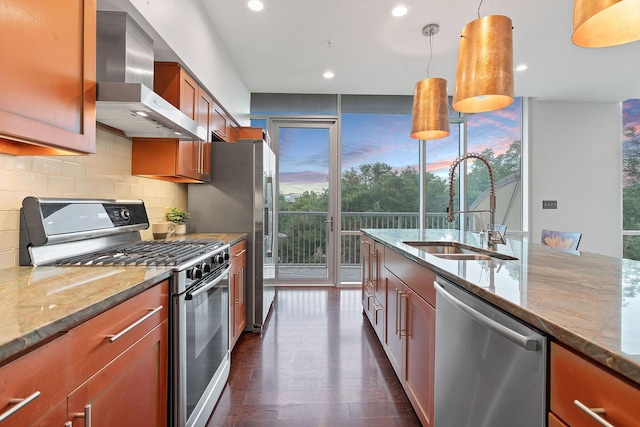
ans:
(330, 222)
(527, 342)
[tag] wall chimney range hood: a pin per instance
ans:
(124, 70)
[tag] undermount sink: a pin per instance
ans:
(457, 251)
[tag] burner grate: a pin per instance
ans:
(145, 253)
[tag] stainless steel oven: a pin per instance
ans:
(86, 233)
(200, 331)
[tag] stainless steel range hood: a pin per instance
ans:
(124, 69)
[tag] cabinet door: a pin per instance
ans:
(394, 331)
(129, 391)
(189, 95)
(188, 159)
(47, 78)
(29, 387)
(237, 289)
(205, 106)
(219, 123)
(420, 351)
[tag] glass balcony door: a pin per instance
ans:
(307, 217)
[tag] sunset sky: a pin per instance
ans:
(371, 138)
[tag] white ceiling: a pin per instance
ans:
(285, 48)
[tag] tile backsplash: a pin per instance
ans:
(104, 175)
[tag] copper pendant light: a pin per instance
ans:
(430, 114)
(484, 75)
(604, 23)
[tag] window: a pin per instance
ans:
(631, 179)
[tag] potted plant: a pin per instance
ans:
(179, 217)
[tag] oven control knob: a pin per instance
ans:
(194, 273)
(125, 214)
(219, 259)
(226, 256)
(205, 267)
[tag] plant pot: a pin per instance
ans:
(181, 229)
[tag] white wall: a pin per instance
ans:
(575, 158)
(184, 26)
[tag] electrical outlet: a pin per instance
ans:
(549, 204)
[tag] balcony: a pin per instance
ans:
(302, 240)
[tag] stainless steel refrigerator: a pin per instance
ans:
(240, 198)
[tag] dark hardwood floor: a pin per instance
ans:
(317, 363)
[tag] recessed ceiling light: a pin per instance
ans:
(328, 75)
(522, 67)
(399, 10)
(141, 113)
(255, 5)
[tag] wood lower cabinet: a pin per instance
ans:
(112, 368)
(48, 77)
(131, 390)
(373, 296)
(237, 309)
(576, 380)
(411, 330)
(36, 383)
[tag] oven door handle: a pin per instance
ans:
(190, 294)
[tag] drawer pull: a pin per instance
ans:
(20, 403)
(240, 253)
(593, 413)
(86, 415)
(119, 335)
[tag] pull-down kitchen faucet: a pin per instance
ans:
(493, 235)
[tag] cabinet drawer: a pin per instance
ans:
(94, 344)
(573, 377)
(420, 279)
(238, 255)
(555, 421)
(31, 374)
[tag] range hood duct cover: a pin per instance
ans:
(124, 70)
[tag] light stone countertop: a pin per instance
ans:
(586, 301)
(41, 303)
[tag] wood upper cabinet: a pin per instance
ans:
(48, 77)
(173, 159)
(576, 381)
(237, 309)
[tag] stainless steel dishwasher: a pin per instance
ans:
(490, 369)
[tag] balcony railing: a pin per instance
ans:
(302, 235)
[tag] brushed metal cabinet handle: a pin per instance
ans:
(403, 332)
(119, 335)
(398, 293)
(593, 413)
(86, 415)
(20, 403)
(240, 253)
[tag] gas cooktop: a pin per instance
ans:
(145, 253)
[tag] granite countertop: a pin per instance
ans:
(40, 303)
(586, 301)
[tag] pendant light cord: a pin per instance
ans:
(479, 6)
(430, 54)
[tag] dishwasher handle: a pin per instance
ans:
(527, 342)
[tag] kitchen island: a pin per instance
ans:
(586, 303)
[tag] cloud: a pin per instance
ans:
(303, 177)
